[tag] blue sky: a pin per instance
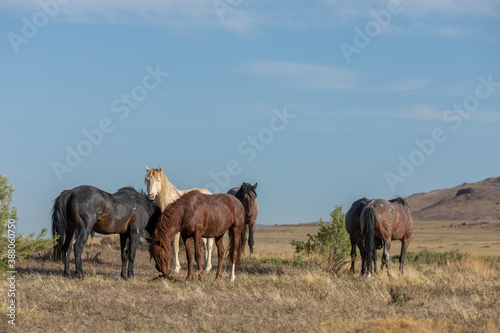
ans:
(320, 102)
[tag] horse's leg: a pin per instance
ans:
(204, 248)
(134, 239)
(374, 257)
(177, 268)
(189, 254)
(83, 235)
(362, 251)
(197, 253)
(251, 231)
(219, 241)
(125, 254)
(234, 251)
(67, 251)
(405, 242)
(208, 245)
(385, 256)
(353, 254)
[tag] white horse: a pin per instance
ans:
(164, 192)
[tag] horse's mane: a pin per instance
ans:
(170, 218)
(131, 188)
(140, 194)
(400, 200)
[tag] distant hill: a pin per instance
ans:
(469, 201)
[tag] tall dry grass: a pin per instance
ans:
(274, 292)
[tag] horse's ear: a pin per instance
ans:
(152, 241)
(147, 169)
(255, 186)
(244, 185)
(160, 168)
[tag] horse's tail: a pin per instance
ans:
(59, 223)
(241, 248)
(369, 235)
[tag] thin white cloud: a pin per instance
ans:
(305, 76)
(416, 112)
(185, 13)
(420, 112)
(420, 8)
(478, 8)
(403, 85)
(486, 116)
(247, 17)
(427, 113)
(315, 77)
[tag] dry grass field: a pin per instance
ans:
(275, 291)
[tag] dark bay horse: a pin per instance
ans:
(247, 195)
(353, 227)
(87, 209)
(387, 220)
(199, 215)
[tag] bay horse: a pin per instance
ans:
(85, 209)
(199, 215)
(247, 195)
(387, 220)
(353, 228)
(164, 193)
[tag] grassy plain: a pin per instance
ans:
(275, 291)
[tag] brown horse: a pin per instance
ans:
(353, 228)
(199, 215)
(387, 220)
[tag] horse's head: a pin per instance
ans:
(153, 181)
(247, 195)
(162, 255)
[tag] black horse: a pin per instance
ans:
(87, 209)
(353, 227)
(247, 195)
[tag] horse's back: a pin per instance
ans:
(214, 214)
(393, 218)
(404, 220)
(233, 191)
(227, 201)
(201, 190)
(107, 213)
(353, 217)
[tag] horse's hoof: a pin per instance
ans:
(201, 278)
(177, 269)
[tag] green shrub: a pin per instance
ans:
(429, 257)
(13, 246)
(331, 241)
(331, 237)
